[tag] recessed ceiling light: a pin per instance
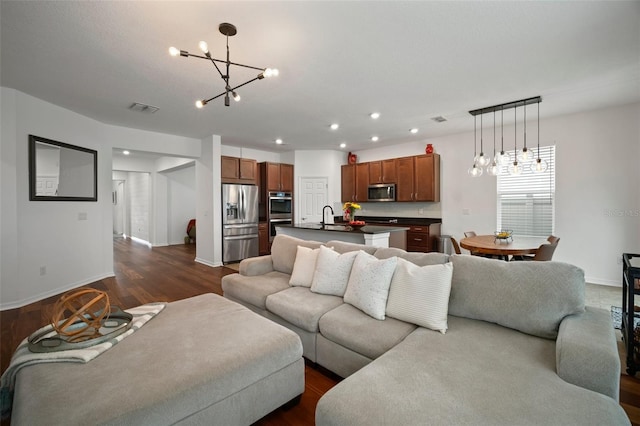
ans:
(375, 115)
(414, 130)
(335, 126)
(279, 141)
(439, 119)
(125, 152)
(343, 145)
(374, 138)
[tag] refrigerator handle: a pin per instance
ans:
(242, 203)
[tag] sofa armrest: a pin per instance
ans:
(587, 352)
(256, 266)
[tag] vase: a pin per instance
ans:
(429, 149)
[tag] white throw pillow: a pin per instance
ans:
(368, 287)
(304, 267)
(332, 272)
(420, 294)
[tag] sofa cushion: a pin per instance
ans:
(304, 266)
(420, 259)
(255, 289)
(368, 287)
(343, 247)
(284, 249)
(350, 327)
(332, 272)
(477, 374)
(420, 295)
(301, 307)
(532, 297)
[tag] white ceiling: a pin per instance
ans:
(338, 62)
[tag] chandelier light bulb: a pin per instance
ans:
(482, 160)
(173, 51)
(502, 158)
(493, 169)
(539, 166)
(236, 97)
(515, 169)
(199, 104)
(525, 155)
(271, 72)
(475, 171)
(204, 47)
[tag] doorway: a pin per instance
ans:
(313, 196)
(119, 207)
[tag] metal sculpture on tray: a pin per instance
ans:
(90, 320)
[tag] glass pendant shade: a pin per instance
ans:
(482, 160)
(502, 158)
(493, 169)
(475, 171)
(515, 169)
(539, 166)
(525, 155)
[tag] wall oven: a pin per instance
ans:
(280, 205)
(277, 222)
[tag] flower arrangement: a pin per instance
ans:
(349, 209)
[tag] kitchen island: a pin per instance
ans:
(370, 235)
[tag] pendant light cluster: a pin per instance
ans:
(524, 157)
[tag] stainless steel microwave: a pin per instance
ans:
(382, 192)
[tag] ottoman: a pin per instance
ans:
(203, 360)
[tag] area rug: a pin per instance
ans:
(616, 316)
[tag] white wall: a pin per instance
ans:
(50, 234)
(597, 196)
(181, 190)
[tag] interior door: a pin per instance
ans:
(313, 196)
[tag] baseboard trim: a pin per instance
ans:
(599, 281)
(206, 262)
(54, 292)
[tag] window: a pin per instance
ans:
(526, 203)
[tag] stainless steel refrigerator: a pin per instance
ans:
(239, 222)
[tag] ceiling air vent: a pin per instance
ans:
(439, 119)
(148, 109)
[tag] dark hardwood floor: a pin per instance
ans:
(146, 275)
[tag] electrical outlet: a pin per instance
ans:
(43, 270)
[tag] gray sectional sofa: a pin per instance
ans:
(520, 346)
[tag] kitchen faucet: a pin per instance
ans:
(330, 208)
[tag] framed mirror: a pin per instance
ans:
(61, 172)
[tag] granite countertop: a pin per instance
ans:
(378, 220)
(367, 229)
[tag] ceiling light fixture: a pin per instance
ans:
(343, 145)
(279, 141)
(227, 30)
(502, 158)
(374, 138)
(414, 130)
(494, 169)
(334, 126)
(125, 152)
(375, 115)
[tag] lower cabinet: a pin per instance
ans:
(423, 238)
(263, 239)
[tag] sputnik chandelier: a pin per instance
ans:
(497, 163)
(229, 30)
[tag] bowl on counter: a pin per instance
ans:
(504, 235)
(357, 224)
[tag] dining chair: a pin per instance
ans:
(469, 234)
(544, 253)
(456, 246)
(552, 239)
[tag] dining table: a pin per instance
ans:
(503, 248)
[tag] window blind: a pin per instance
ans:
(526, 203)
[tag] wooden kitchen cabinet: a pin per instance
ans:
(383, 171)
(418, 178)
(355, 182)
(276, 176)
(423, 238)
(238, 170)
(263, 238)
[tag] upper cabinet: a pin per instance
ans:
(383, 171)
(418, 178)
(276, 176)
(238, 170)
(355, 182)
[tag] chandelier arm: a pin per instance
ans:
(224, 62)
(230, 90)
